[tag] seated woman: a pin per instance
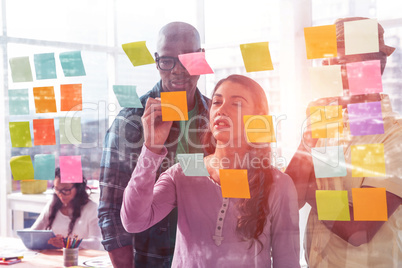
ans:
(70, 213)
(214, 231)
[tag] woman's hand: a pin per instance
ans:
(56, 241)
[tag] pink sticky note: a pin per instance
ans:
(70, 169)
(364, 77)
(195, 63)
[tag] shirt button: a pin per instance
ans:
(219, 227)
(222, 211)
(220, 219)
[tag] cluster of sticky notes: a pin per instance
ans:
(369, 204)
(174, 106)
(259, 128)
(193, 164)
(234, 183)
(326, 121)
(45, 66)
(256, 57)
(127, 96)
(44, 166)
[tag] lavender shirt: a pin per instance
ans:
(206, 233)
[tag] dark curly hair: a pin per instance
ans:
(254, 211)
(81, 199)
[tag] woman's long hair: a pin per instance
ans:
(254, 211)
(81, 199)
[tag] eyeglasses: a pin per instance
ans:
(63, 191)
(167, 63)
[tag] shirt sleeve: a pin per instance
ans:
(285, 241)
(93, 237)
(43, 219)
(146, 203)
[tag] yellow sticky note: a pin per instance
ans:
(259, 128)
(256, 57)
(22, 167)
(174, 106)
(138, 53)
(45, 101)
(326, 81)
(332, 205)
(368, 160)
(320, 41)
(234, 183)
(326, 121)
(369, 204)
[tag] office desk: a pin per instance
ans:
(51, 258)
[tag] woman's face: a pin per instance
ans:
(230, 102)
(64, 191)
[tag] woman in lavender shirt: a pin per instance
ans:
(213, 231)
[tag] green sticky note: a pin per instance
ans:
(256, 57)
(127, 96)
(72, 64)
(21, 167)
(20, 134)
(332, 205)
(21, 69)
(44, 166)
(70, 130)
(45, 66)
(18, 102)
(193, 164)
(138, 53)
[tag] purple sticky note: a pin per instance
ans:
(195, 63)
(365, 118)
(364, 77)
(70, 169)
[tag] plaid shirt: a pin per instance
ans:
(122, 147)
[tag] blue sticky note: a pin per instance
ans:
(193, 164)
(44, 166)
(21, 69)
(18, 102)
(127, 96)
(329, 162)
(45, 66)
(72, 64)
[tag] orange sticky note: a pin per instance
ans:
(320, 42)
(44, 132)
(256, 57)
(259, 128)
(368, 160)
(44, 100)
(71, 97)
(369, 204)
(326, 121)
(234, 183)
(332, 205)
(174, 106)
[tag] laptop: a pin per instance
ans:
(36, 239)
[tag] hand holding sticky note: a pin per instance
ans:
(195, 63)
(174, 106)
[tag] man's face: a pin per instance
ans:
(178, 78)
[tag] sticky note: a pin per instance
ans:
(256, 57)
(21, 167)
(329, 162)
(20, 134)
(70, 130)
(45, 101)
(259, 128)
(45, 66)
(21, 69)
(369, 204)
(326, 81)
(174, 106)
(364, 77)
(361, 36)
(127, 96)
(18, 102)
(195, 63)
(326, 121)
(320, 42)
(44, 166)
(71, 97)
(138, 53)
(368, 160)
(70, 169)
(332, 205)
(365, 118)
(234, 183)
(193, 164)
(72, 64)
(44, 132)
